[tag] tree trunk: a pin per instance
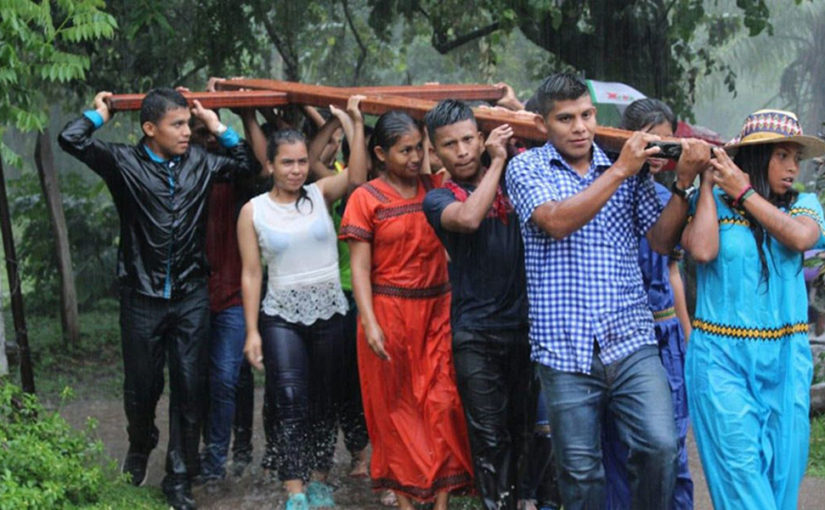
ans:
(44, 159)
(4, 362)
(26, 372)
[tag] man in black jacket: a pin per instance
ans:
(160, 187)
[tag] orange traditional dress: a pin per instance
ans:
(412, 407)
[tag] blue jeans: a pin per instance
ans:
(228, 333)
(635, 391)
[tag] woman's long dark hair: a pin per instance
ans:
(388, 129)
(274, 142)
(754, 160)
(647, 112)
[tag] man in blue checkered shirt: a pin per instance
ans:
(591, 331)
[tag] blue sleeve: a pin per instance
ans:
(528, 185)
(229, 138)
(95, 117)
(808, 205)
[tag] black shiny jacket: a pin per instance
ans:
(162, 207)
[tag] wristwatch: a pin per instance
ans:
(686, 193)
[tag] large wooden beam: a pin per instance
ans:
(211, 100)
(321, 95)
(434, 92)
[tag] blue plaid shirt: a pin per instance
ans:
(587, 286)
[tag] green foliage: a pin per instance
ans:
(816, 456)
(47, 464)
(92, 223)
(36, 52)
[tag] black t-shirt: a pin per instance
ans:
(486, 268)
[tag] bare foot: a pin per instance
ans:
(358, 466)
(388, 498)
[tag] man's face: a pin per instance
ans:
(571, 126)
(459, 147)
(171, 133)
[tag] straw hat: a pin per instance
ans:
(775, 126)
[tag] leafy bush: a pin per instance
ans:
(816, 457)
(44, 463)
(92, 223)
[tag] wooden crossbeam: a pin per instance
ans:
(321, 95)
(211, 100)
(434, 92)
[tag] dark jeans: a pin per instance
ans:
(494, 379)
(303, 378)
(636, 393)
(153, 329)
(538, 480)
(351, 412)
(228, 335)
(244, 413)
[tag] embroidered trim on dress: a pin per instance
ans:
(399, 210)
(750, 333)
(734, 221)
(372, 190)
(807, 211)
(355, 232)
(448, 484)
(662, 315)
(411, 293)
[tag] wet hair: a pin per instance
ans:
(446, 113)
(532, 104)
(558, 87)
(755, 160)
(388, 129)
(647, 112)
(273, 144)
(159, 101)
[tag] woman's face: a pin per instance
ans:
(783, 167)
(404, 158)
(663, 129)
(290, 166)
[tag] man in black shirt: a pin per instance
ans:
(160, 188)
(477, 225)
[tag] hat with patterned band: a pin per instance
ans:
(775, 126)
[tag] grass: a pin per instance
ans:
(816, 457)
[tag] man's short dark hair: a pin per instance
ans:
(445, 113)
(159, 101)
(559, 87)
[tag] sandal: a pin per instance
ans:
(388, 498)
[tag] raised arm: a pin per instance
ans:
(665, 233)
(251, 278)
(467, 216)
(317, 145)
(76, 138)
(701, 236)
(796, 233)
(241, 161)
(255, 135)
(361, 264)
(562, 218)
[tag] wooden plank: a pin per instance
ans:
(435, 92)
(211, 100)
(323, 96)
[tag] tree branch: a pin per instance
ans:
(443, 46)
(363, 49)
(280, 45)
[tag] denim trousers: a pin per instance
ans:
(635, 391)
(228, 335)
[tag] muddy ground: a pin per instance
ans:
(255, 491)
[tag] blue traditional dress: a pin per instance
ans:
(671, 337)
(749, 367)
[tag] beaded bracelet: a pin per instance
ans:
(738, 200)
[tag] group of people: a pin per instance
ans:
(491, 318)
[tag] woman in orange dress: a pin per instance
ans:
(399, 276)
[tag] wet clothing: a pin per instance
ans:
(162, 272)
(491, 350)
(656, 277)
(161, 205)
(412, 407)
(749, 365)
(592, 332)
(301, 329)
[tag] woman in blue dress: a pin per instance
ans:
(748, 369)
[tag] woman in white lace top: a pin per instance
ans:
(298, 340)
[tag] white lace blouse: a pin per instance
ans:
(300, 250)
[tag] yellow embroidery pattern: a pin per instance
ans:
(734, 221)
(806, 211)
(750, 333)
